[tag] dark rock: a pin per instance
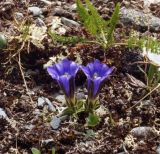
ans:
(129, 64)
(62, 13)
(40, 22)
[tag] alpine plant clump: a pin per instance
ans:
(65, 72)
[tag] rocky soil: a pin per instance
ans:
(27, 118)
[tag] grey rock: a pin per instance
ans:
(19, 16)
(158, 150)
(62, 13)
(80, 96)
(29, 127)
(3, 114)
(40, 22)
(73, 7)
(47, 2)
(36, 11)
(55, 122)
(51, 108)
(41, 102)
(143, 132)
(47, 141)
(59, 3)
(139, 19)
(147, 103)
(60, 98)
(69, 23)
(22, 1)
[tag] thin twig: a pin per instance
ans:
(144, 97)
(23, 77)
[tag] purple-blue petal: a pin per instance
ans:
(97, 83)
(86, 71)
(65, 65)
(53, 72)
(108, 71)
(96, 72)
(62, 72)
(74, 68)
(64, 83)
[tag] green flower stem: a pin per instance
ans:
(90, 105)
(71, 102)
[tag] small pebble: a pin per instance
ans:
(41, 102)
(74, 7)
(55, 122)
(40, 22)
(47, 141)
(3, 114)
(158, 150)
(19, 16)
(36, 11)
(144, 132)
(51, 108)
(69, 23)
(60, 98)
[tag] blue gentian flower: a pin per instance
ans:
(64, 72)
(96, 74)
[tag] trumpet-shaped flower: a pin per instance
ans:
(96, 74)
(64, 72)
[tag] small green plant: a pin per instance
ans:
(3, 41)
(150, 48)
(102, 30)
(35, 151)
(146, 43)
(153, 75)
(65, 39)
(92, 120)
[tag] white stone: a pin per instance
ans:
(3, 114)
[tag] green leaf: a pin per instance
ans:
(65, 39)
(35, 151)
(53, 150)
(99, 22)
(79, 106)
(158, 78)
(90, 134)
(112, 23)
(3, 41)
(151, 73)
(92, 120)
(68, 111)
(90, 17)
